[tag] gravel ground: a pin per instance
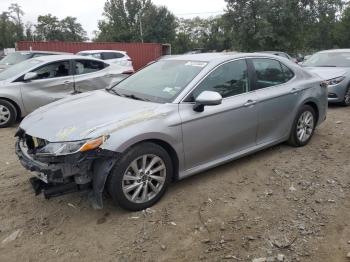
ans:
(281, 204)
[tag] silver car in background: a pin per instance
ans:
(334, 67)
(36, 82)
(175, 118)
(20, 56)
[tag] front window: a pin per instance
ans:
(337, 59)
(160, 82)
(19, 68)
(228, 80)
(15, 58)
(53, 70)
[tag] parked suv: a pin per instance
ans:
(118, 57)
(175, 118)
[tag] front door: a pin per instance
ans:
(222, 130)
(54, 82)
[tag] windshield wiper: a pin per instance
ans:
(113, 91)
(135, 97)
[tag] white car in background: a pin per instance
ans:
(112, 56)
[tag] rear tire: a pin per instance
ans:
(303, 127)
(346, 101)
(8, 114)
(141, 177)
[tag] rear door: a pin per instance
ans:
(91, 75)
(278, 96)
(54, 82)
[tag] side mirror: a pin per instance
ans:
(207, 98)
(30, 76)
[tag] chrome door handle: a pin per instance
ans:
(250, 103)
(294, 91)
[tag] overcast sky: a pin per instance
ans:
(89, 12)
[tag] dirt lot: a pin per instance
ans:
(282, 201)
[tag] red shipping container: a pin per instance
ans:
(140, 53)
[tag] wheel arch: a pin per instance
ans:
(15, 104)
(169, 149)
(315, 108)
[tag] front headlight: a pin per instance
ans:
(69, 148)
(335, 81)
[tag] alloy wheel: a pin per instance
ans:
(5, 114)
(347, 97)
(305, 127)
(144, 178)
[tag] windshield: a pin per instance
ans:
(94, 55)
(15, 58)
(160, 82)
(328, 60)
(18, 69)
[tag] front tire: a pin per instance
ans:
(141, 177)
(346, 101)
(303, 127)
(8, 114)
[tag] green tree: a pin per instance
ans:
(7, 31)
(136, 20)
(72, 30)
(50, 28)
(16, 13)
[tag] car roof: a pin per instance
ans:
(42, 52)
(272, 52)
(102, 51)
(216, 57)
(52, 58)
(345, 50)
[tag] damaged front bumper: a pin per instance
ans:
(58, 175)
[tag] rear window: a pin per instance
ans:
(112, 55)
(88, 66)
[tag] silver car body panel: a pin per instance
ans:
(201, 140)
(30, 95)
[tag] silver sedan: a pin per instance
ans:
(173, 119)
(334, 67)
(36, 82)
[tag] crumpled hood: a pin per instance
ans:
(327, 73)
(88, 115)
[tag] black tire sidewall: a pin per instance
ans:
(294, 140)
(344, 103)
(115, 179)
(13, 113)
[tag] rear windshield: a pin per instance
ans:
(14, 58)
(20, 68)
